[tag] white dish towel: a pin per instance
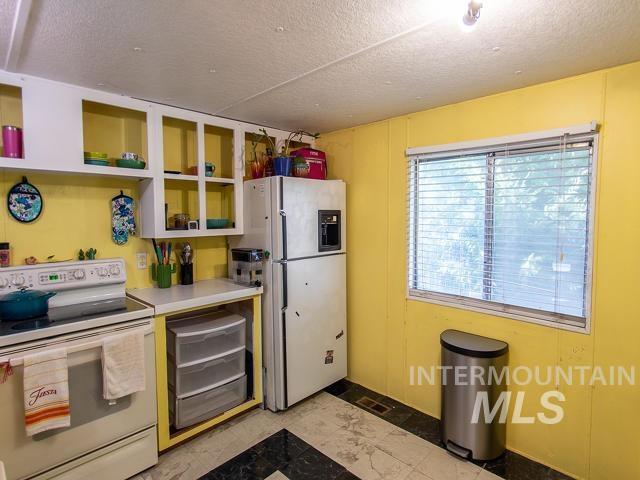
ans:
(123, 371)
(46, 391)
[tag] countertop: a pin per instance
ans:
(200, 294)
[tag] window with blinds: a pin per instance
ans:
(505, 227)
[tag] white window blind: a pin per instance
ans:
(505, 227)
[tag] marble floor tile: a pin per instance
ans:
(441, 465)
(416, 475)
(277, 475)
(373, 464)
(214, 448)
(405, 446)
(486, 475)
(344, 446)
(313, 429)
(177, 464)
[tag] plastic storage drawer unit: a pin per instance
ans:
(192, 379)
(188, 411)
(192, 340)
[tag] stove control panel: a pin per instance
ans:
(63, 275)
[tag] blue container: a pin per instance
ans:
(282, 165)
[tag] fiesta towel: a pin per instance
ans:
(46, 391)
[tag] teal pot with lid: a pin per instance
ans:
(23, 304)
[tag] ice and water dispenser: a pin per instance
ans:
(329, 237)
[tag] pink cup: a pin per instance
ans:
(12, 141)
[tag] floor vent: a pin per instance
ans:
(372, 405)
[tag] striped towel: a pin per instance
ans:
(46, 391)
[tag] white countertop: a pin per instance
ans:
(200, 294)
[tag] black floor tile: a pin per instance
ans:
(339, 387)
(356, 392)
(399, 412)
(246, 466)
(281, 451)
(313, 465)
(281, 448)
(512, 466)
(424, 426)
(347, 475)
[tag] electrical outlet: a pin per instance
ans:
(141, 260)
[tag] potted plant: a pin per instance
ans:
(282, 162)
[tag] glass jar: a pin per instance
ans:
(5, 254)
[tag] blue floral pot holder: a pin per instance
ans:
(123, 222)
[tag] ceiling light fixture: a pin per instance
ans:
(471, 16)
(101, 84)
(137, 49)
(212, 70)
(280, 29)
(518, 72)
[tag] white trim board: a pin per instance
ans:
(590, 127)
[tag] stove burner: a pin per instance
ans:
(32, 324)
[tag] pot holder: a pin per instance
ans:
(123, 222)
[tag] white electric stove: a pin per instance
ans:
(107, 440)
(89, 294)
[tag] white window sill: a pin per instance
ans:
(547, 320)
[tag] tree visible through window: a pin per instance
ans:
(508, 227)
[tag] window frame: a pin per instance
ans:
(540, 317)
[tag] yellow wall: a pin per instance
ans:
(77, 214)
(598, 438)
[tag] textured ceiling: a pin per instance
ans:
(337, 63)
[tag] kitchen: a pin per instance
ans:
(169, 206)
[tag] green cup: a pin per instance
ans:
(162, 274)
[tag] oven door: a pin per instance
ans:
(94, 421)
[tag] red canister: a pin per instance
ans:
(12, 141)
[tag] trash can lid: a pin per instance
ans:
(472, 345)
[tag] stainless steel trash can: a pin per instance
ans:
(471, 374)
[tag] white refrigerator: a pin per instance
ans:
(300, 224)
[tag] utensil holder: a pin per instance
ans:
(161, 274)
(186, 274)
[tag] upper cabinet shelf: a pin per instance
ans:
(10, 115)
(194, 163)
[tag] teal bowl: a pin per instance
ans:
(127, 163)
(217, 222)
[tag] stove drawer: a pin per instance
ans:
(193, 340)
(193, 379)
(185, 412)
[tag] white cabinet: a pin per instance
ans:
(60, 122)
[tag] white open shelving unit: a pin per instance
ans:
(61, 121)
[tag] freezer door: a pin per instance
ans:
(305, 205)
(315, 325)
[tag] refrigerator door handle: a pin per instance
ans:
(283, 216)
(285, 296)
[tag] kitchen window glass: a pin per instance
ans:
(505, 228)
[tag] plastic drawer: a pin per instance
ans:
(197, 378)
(192, 340)
(188, 411)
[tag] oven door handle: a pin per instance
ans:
(17, 361)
